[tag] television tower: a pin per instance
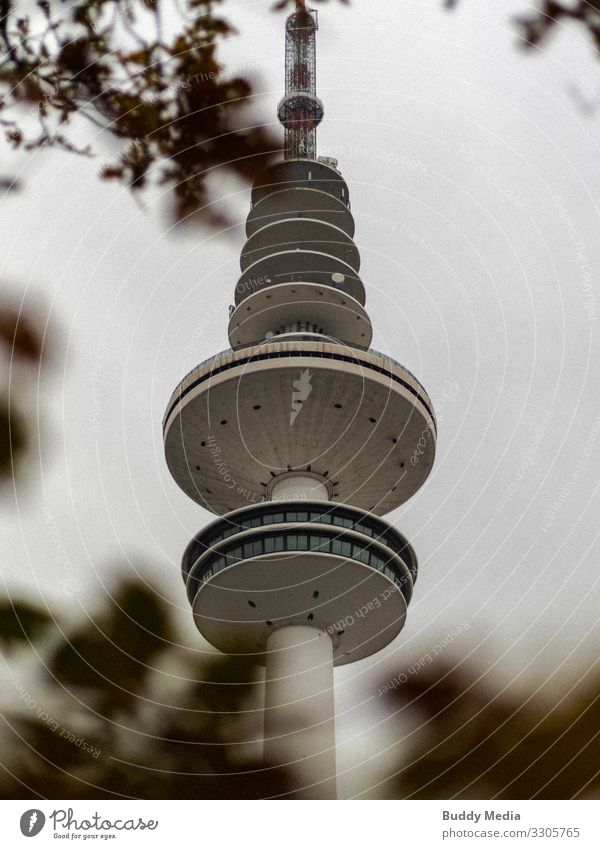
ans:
(299, 439)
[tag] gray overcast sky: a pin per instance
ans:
(474, 182)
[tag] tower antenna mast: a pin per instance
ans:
(300, 110)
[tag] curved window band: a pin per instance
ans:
(294, 541)
(336, 518)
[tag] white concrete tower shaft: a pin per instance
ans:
(299, 697)
(299, 708)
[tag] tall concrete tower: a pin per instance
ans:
(299, 439)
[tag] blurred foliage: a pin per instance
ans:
(19, 336)
(124, 711)
(535, 27)
(114, 657)
(158, 88)
(23, 344)
(538, 23)
(478, 742)
(20, 622)
(13, 439)
(164, 96)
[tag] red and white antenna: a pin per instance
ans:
(300, 111)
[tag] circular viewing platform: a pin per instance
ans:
(303, 203)
(336, 568)
(301, 173)
(272, 310)
(300, 234)
(357, 418)
(299, 266)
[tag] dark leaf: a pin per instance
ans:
(19, 336)
(21, 622)
(479, 742)
(113, 655)
(13, 439)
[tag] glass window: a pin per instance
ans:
(278, 517)
(336, 546)
(292, 542)
(346, 549)
(347, 523)
(302, 517)
(291, 516)
(279, 543)
(257, 547)
(362, 555)
(269, 545)
(268, 519)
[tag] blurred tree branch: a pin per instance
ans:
(104, 725)
(477, 743)
(22, 342)
(535, 28)
(165, 96)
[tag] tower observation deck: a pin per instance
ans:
(299, 439)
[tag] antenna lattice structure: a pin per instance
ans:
(300, 111)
